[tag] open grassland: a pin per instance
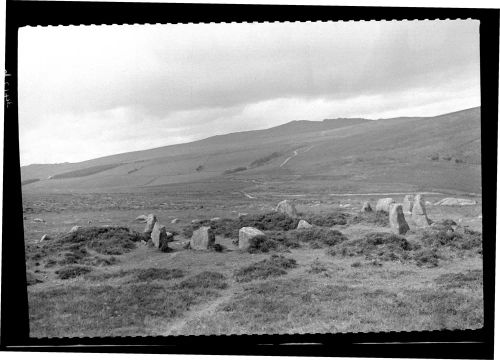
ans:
(347, 274)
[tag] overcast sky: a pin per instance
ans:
(86, 92)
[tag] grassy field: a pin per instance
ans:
(348, 274)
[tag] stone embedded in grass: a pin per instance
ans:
(141, 218)
(397, 220)
(287, 207)
(418, 213)
(384, 204)
(175, 221)
(246, 234)
(203, 238)
(303, 225)
(195, 221)
(38, 220)
(215, 219)
(150, 223)
(408, 204)
(44, 238)
(75, 229)
(241, 215)
(366, 207)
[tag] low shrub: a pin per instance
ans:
(427, 257)
(204, 280)
(379, 218)
(463, 239)
(72, 271)
(31, 279)
(159, 274)
(276, 265)
(328, 220)
(376, 245)
(318, 237)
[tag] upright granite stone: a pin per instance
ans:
(150, 223)
(408, 204)
(384, 204)
(245, 235)
(303, 225)
(418, 213)
(366, 207)
(158, 234)
(287, 207)
(397, 220)
(203, 238)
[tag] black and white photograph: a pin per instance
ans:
(251, 178)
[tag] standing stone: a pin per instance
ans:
(287, 207)
(74, 229)
(408, 204)
(303, 225)
(163, 244)
(158, 233)
(366, 207)
(418, 213)
(384, 204)
(150, 223)
(397, 220)
(203, 238)
(245, 235)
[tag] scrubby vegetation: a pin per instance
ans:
(461, 239)
(318, 237)
(379, 218)
(276, 265)
(328, 220)
(151, 274)
(264, 160)
(72, 271)
(235, 170)
(377, 245)
(204, 280)
(85, 172)
(468, 279)
(230, 228)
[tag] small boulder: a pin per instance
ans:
(408, 204)
(384, 204)
(150, 223)
(38, 220)
(245, 235)
(303, 225)
(215, 219)
(418, 213)
(203, 238)
(195, 221)
(397, 220)
(141, 218)
(366, 207)
(75, 228)
(240, 215)
(287, 207)
(175, 221)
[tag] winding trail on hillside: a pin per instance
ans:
(295, 153)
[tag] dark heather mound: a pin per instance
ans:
(158, 274)
(336, 218)
(380, 218)
(379, 246)
(273, 241)
(72, 271)
(318, 237)
(230, 228)
(272, 267)
(460, 239)
(204, 280)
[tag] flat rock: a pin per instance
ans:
(215, 219)
(397, 220)
(287, 207)
(203, 238)
(384, 204)
(141, 218)
(245, 235)
(38, 220)
(303, 225)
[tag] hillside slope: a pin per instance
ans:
(441, 152)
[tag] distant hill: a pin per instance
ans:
(441, 152)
